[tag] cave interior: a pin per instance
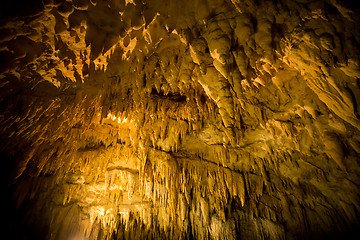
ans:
(201, 119)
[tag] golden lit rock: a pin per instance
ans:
(201, 119)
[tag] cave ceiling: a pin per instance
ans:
(202, 119)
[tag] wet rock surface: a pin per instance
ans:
(198, 119)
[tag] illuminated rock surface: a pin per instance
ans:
(201, 119)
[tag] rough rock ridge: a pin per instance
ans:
(202, 119)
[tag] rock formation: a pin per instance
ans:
(201, 119)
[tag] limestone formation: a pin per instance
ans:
(201, 119)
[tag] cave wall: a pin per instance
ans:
(201, 119)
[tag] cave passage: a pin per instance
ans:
(201, 119)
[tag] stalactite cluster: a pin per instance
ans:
(202, 119)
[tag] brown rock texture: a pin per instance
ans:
(201, 119)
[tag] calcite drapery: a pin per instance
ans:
(200, 119)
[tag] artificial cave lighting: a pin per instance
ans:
(201, 119)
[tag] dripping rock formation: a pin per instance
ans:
(201, 119)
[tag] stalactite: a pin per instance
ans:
(201, 119)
